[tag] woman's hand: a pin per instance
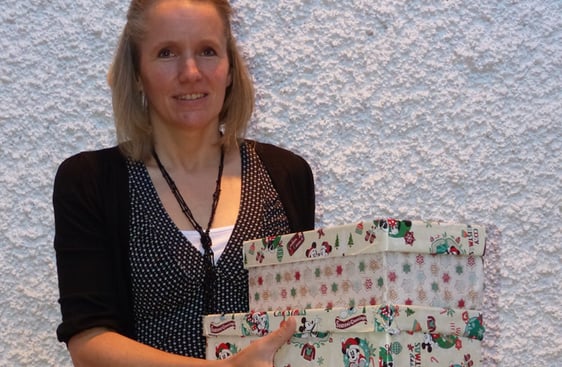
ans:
(261, 352)
(99, 347)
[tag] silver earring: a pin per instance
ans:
(144, 101)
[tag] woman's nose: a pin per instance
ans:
(189, 69)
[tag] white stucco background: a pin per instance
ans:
(432, 110)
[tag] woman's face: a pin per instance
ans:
(184, 66)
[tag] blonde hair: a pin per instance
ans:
(132, 123)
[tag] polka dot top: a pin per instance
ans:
(168, 272)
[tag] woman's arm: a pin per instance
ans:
(99, 347)
(90, 230)
(293, 179)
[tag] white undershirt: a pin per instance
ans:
(219, 237)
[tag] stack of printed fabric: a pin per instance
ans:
(381, 292)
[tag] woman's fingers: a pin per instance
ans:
(261, 352)
(281, 335)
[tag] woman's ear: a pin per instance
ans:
(139, 85)
(110, 79)
(229, 77)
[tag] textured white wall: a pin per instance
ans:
(437, 110)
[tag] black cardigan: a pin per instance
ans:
(91, 208)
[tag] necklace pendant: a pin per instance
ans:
(206, 241)
(209, 255)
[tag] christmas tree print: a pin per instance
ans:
(350, 241)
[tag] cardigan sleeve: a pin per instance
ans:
(85, 247)
(293, 179)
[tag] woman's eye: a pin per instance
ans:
(208, 52)
(165, 53)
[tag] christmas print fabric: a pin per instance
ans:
(380, 292)
(368, 263)
(383, 335)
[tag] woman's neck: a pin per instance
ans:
(188, 151)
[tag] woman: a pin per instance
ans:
(148, 234)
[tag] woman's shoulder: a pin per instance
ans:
(92, 159)
(87, 165)
(274, 154)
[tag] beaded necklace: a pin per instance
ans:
(210, 274)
